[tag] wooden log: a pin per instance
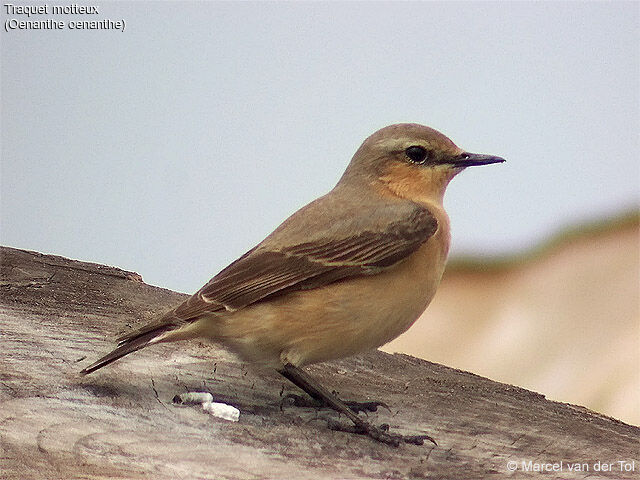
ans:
(57, 315)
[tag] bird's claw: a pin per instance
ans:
(366, 406)
(380, 433)
(293, 400)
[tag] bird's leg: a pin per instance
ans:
(300, 378)
(304, 401)
(317, 400)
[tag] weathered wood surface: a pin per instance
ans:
(56, 315)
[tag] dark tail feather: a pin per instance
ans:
(126, 347)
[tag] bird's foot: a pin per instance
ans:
(308, 402)
(381, 433)
(293, 400)
(366, 406)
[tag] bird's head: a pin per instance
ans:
(411, 161)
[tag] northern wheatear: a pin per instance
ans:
(348, 272)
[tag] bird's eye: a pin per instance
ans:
(416, 154)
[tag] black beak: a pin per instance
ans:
(474, 159)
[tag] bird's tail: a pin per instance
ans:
(128, 344)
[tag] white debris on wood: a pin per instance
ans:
(219, 410)
(222, 410)
(193, 398)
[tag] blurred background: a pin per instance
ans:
(171, 148)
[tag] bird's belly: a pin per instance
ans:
(337, 320)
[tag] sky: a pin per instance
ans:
(172, 147)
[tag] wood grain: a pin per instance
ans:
(57, 314)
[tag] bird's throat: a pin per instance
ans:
(420, 185)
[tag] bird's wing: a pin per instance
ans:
(364, 243)
(268, 271)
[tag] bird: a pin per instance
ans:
(344, 274)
